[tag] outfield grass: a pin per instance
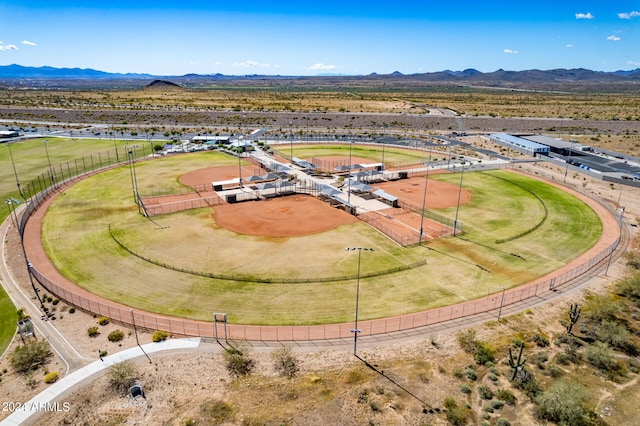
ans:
(392, 155)
(75, 235)
(7, 320)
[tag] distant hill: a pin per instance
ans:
(555, 79)
(160, 84)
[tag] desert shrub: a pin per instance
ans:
(492, 377)
(216, 412)
(467, 340)
(456, 415)
(122, 376)
(497, 404)
(284, 362)
(159, 336)
(115, 336)
(30, 356)
(600, 307)
(93, 331)
(616, 335)
(555, 372)
(55, 302)
(457, 373)
(540, 340)
(465, 389)
(483, 354)
(50, 377)
(484, 392)
(630, 287)
(502, 422)
(237, 361)
(601, 356)
(470, 373)
(488, 408)
(506, 396)
(72, 310)
(526, 382)
(633, 259)
(563, 403)
(103, 321)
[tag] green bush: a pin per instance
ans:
(72, 310)
(502, 422)
(465, 389)
(540, 340)
(93, 331)
(115, 336)
(30, 356)
(159, 336)
(50, 377)
(103, 321)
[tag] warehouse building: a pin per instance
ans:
(521, 145)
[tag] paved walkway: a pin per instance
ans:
(49, 399)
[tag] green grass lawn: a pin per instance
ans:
(503, 205)
(7, 320)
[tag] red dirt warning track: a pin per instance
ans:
(290, 216)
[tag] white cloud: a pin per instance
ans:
(628, 15)
(245, 64)
(613, 38)
(511, 52)
(8, 46)
(28, 43)
(569, 46)
(584, 15)
(634, 63)
(321, 66)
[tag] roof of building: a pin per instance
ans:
(521, 142)
(552, 142)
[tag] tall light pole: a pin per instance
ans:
(455, 221)
(424, 199)
(15, 172)
(355, 330)
(52, 176)
(349, 176)
(384, 135)
(291, 143)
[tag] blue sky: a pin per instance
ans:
(319, 37)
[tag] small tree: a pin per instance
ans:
(30, 356)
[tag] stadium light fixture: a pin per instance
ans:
(355, 330)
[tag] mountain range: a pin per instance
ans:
(17, 76)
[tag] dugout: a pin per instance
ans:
(386, 198)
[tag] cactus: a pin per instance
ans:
(516, 365)
(574, 314)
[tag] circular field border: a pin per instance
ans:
(123, 318)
